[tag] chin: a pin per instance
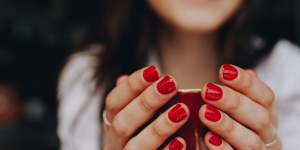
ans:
(198, 25)
(196, 15)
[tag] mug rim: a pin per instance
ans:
(189, 90)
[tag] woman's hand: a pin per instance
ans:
(133, 102)
(245, 117)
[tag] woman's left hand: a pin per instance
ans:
(242, 114)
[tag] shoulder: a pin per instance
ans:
(80, 101)
(280, 69)
(80, 68)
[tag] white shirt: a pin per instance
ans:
(79, 125)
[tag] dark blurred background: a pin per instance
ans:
(36, 36)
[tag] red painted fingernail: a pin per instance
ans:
(213, 92)
(229, 72)
(151, 74)
(175, 145)
(215, 139)
(166, 85)
(212, 113)
(177, 114)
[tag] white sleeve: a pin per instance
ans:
(281, 72)
(79, 126)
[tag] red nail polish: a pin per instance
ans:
(213, 92)
(212, 113)
(229, 72)
(215, 139)
(175, 145)
(177, 114)
(151, 74)
(166, 85)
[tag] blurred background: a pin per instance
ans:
(36, 36)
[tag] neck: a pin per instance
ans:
(192, 58)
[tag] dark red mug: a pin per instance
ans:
(193, 131)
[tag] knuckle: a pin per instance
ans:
(130, 86)
(109, 105)
(236, 103)
(269, 98)
(230, 127)
(119, 128)
(144, 103)
(158, 132)
(248, 82)
(265, 121)
(256, 144)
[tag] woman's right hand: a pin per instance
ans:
(133, 102)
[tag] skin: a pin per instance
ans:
(188, 52)
(202, 16)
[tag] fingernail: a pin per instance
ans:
(166, 85)
(151, 74)
(177, 114)
(212, 113)
(229, 72)
(213, 92)
(215, 139)
(175, 145)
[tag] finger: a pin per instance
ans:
(121, 79)
(105, 128)
(231, 131)
(129, 89)
(240, 108)
(249, 85)
(252, 72)
(159, 130)
(141, 109)
(176, 144)
(243, 82)
(276, 146)
(215, 142)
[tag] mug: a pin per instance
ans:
(193, 131)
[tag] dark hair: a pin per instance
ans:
(130, 28)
